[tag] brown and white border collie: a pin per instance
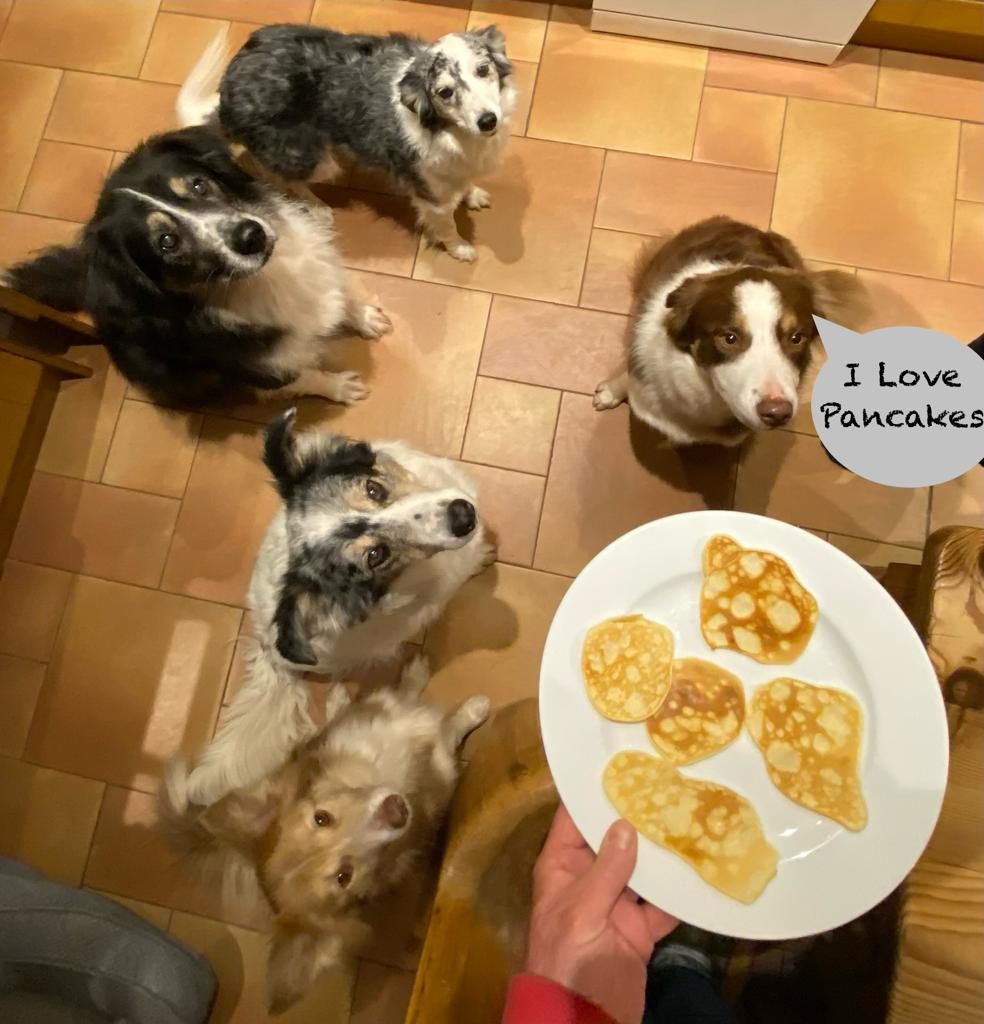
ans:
(722, 331)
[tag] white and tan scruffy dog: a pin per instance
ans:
(370, 544)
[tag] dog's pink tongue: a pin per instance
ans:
(394, 811)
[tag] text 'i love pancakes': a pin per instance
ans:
(810, 737)
(714, 829)
(752, 602)
(702, 712)
(626, 663)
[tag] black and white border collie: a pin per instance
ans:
(434, 118)
(722, 332)
(205, 282)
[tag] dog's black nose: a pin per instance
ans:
(487, 122)
(774, 412)
(249, 238)
(461, 517)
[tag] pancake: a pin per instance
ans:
(714, 829)
(810, 737)
(702, 712)
(718, 551)
(626, 663)
(754, 604)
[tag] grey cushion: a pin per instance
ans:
(65, 950)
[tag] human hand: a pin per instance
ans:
(589, 932)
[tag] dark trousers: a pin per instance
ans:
(680, 995)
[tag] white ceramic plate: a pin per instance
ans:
(862, 643)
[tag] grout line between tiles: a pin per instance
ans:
(95, 826)
(546, 484)
(700, 103)
(41, 138)
(775, 178)
(478, 367)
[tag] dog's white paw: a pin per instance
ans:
(476, 710)
(347, 387)
(462, 251)
(605, 398)
(373, 322)
(489, 553)
(477, 199)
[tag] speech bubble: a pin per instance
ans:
(902, 406)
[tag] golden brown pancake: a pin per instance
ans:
(810, 737)
(754, 604)
(626, 663)
(714, 829)
(702, 712)
(718, 551)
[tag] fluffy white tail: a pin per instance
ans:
(198, 97)
(265, 722)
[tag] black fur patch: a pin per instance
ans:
(56, 277)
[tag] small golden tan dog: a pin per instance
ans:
(346, 820)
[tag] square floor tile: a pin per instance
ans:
(152, 449)
(789, 477)
(653, 196)
(430, 21)
(109, 37)
(967, 254)
(612, 258)
(491, 636)
(48, 818)
(20, 684)
(65, 181)
(130, 857)
(959, 502)
(522, 22)
(740, 129)
(852, 78)
(179, 40)
(538, 343)
(153, 664)
(22, 235)
(970, 174)
(374, 231)
(847, 172)
(382, 994)
(227, 506)
(239, 959)
(28, 93)
(511, 425)
(616, 92)
(607, 476)
(93, 529)
(421, 375)
(81, 427)
(931, 85)
(32, 602)
(872, 554)
(247, 10)
(510, 505)
(533, 241)
(114, 113)
(899, 300)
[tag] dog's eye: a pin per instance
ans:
(376, 491)
(446, 93)
(201, 186)
(795, 339)
(482, 71)
(344, 874)
(323, 819)
(377, 555)
(168, 242)
(730, 338)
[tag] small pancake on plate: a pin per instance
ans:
(702, 712)
(626, 663)
(718, 551)
(752, 602)
(714, 829)
(810, 737)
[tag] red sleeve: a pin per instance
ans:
(535, 1000)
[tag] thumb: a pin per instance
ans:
(605, 880)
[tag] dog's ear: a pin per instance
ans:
(493, 39)
(55, 277)
(244, 814)
(297, 957)
(840, 297)
(209, 149)
(415, 97)
(280, 454)
(290, 621)
(680, 303)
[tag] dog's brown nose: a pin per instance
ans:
(393, 811)
(774, 412)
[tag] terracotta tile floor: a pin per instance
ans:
(120, 608)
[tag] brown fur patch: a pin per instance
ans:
(179, 187)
